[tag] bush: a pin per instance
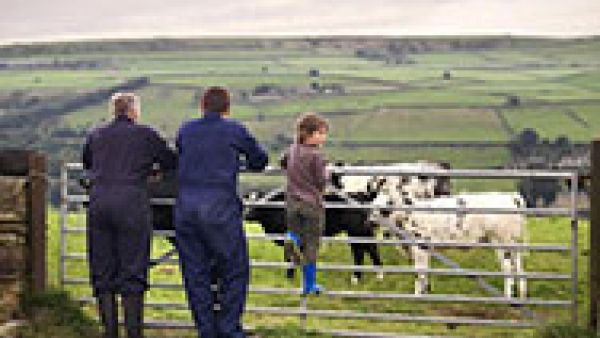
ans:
(563, 330)
(55, 314)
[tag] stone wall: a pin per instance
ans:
(13, 246)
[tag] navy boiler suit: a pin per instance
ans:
(208, 218)
(119, 157)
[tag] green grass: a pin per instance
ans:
(585, 80)
(552, 230)
(56, 314)
(468, 158)
(431, 98)
(420, 125)
(59, 79)
(562, 330)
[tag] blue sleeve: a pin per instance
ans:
(87, 153)
(256, 156)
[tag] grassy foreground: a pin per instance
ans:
(551, 230)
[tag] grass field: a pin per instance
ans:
(552, 230)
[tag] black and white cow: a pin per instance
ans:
(353, 221)
(392, 188)
(368, 187)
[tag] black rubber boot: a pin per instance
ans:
(109, 315)
(133, 306)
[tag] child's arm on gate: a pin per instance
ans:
(283, 160)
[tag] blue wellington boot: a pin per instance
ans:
(310, 280)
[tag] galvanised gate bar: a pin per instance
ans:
(529, 318)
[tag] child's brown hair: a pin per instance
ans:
(307, 124)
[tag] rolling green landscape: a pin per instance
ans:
(371, 90)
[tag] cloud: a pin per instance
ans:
(30, 20)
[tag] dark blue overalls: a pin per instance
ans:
(119, 157)
(208, 216)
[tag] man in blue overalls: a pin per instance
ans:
(209, 231)
(119, 157)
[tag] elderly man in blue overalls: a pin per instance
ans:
(208, 215)
(119, 157)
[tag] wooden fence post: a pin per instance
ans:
(37, 177)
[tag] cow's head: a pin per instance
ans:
(336, 178)
(384, 204)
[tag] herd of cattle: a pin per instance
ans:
(382, 204)
(386, 196)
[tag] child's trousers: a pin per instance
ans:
(307, 222)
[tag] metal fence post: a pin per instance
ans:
(574, 245)
(64, 189)
(594, 236)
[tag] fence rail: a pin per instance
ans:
(344, 294)
(393, 242)
(393, 317)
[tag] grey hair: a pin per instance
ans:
(127, 103)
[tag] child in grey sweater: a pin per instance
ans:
(306, 179)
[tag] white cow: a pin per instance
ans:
(464, 227)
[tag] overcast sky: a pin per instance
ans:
(41, 20)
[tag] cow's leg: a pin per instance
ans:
(421, 258)
(506, 263)
(375, 258)
(358, 253)
(519, 269)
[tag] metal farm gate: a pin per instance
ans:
(528, 317)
